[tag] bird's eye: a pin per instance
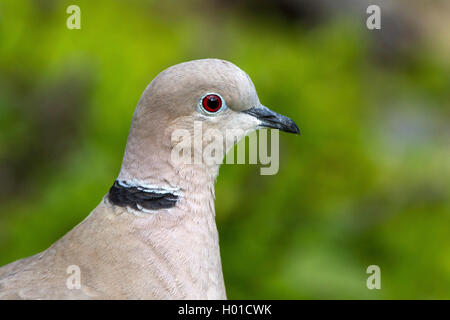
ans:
(212, 103)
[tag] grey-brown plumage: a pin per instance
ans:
(153, 236)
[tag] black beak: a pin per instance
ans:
(270, 119)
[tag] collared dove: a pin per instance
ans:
(153, 236)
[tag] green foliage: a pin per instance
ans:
(367, 182)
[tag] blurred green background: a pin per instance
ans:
(367, 182)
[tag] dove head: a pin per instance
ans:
(191, 105)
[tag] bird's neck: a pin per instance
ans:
(186, 234)
(148, 159)
(183, 243)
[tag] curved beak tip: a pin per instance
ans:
(271, 119)
(295, 128)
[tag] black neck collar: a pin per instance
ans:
(140, 198)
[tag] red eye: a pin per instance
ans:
(212, 103)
